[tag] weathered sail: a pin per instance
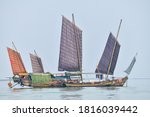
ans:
(16, 62)
(37, 66)
(128, 70)
(105, 60)
(70, 57)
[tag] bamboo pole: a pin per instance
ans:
(14, 46)
(35, 53)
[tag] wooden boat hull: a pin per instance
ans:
(49, 84)
(116, 82)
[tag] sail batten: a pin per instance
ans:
(105, 60)
(16, 62)
(69, 51)
(37, 66)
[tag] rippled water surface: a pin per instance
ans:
(137, 88)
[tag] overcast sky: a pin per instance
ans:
(36, 24)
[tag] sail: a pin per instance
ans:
(128, 70)
(70, 56)
(37, 66)
(105, 60)
(16, 62)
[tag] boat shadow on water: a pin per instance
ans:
(71, 93)
(71, 97)
(70, 89)
(109, 93)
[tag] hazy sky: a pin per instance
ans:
(36, 24)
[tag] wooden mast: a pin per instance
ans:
(35, 53)
(77, 46)
(113, 49)
(14, 46)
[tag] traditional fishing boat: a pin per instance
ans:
(70, 61)
(70, 57)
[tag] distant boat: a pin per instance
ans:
(70, 57)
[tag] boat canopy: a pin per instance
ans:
(40, 78)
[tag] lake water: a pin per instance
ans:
(136, 89)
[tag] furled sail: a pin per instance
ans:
(37, 66)
(107, 55)
(128, 70)
(16, 62)
(70, 57)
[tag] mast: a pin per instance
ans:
(114, 49)
(14, 46)
(77, 46)
(35, 53)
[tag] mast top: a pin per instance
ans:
(35, 53)
(73, 20)
(14, 46)
(118, 29)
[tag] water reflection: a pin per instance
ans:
(70, 89)
(107, 88)
(71, 93)
(109, 92)
(71, 97)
